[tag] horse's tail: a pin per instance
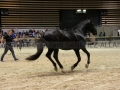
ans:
(40, 47)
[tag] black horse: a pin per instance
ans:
(53, 38)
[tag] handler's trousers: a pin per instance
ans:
(8, 47)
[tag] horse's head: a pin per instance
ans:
(91, 28)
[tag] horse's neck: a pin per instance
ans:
(81, 30)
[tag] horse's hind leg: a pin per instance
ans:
(79, 58)
(48, 55)
(55, 55)
(88, 55)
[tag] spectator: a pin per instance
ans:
(23, 36)
(1, 42)
(13, 31)
(100, 35)
(33, 34)
(33, 31)
(13, 34)
(26, 35)
(38, 35)
(19, 34)
(40, 32)
(23, 32)
(104, 34)
(37, 32)
(0, 38)
(1, 32)
(30, 31)
(5, 33)
(118, 34)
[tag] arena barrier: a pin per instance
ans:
(115, 40)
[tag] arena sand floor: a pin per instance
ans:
(103, 73)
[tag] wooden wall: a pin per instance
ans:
(112, 17)
(45, 13)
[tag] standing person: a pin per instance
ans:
(118, 34)
(104, 34)
(8, 45)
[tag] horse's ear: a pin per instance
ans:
(91, 20)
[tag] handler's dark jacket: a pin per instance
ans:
(8, 38)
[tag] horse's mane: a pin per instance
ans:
(80, 24)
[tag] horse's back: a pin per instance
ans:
(52, 35)
(65, 40)
(62, 35)
(68, 35)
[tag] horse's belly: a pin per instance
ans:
(66, 45)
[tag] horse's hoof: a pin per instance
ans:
(72, 68)
(62, 71)
(86, 66)
(56, 69)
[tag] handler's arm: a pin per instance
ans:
(3, 40)
(17, 39)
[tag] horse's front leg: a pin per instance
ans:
(88, 55)
(79, 59)
(55, 55)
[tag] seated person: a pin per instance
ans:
(13, 35)
(26, 34)
(100, 35)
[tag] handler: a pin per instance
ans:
(8, 38)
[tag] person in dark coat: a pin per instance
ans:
(8, 38)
